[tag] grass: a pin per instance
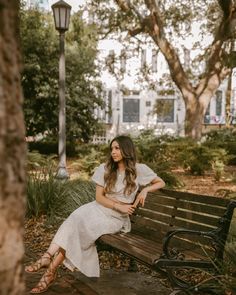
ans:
(55, 198)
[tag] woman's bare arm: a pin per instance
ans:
(156, 184)
(103, 200)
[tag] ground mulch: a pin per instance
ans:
(206, 184)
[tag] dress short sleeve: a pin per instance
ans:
(98, 176)
(145, 175)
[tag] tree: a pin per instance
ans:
(40, 76)
(84, 88)
(40, 72)
(12, 153)
(163, 22)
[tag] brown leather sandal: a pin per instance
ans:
(43, 262)
(45, 282)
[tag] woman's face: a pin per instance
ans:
(116, 152)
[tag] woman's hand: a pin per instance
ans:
(141, 198)
(127, 209)
(156, 184)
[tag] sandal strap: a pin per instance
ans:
(39, 263)
(49, 254)
(43, 284)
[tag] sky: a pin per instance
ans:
(74, 3)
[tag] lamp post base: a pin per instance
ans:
(62, 173)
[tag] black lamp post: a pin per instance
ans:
(61, 13)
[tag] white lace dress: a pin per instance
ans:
(78, 233)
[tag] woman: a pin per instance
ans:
(117, 183)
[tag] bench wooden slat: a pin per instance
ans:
(151, 246)
(186, 243)
(167, 210)
(119, 243)
(201, 218)
(193, 244)
(184, 214)
(195, 197)
(196, 207)
(192, 225)
(154, 216)
(149, 223)
(149, 233)
(164, 226)
(157, 237)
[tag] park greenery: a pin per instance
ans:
(163, 154)
(196, 68)
(57, 199)
(40, 50)
(197, 81)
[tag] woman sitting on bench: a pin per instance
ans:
(117, 183)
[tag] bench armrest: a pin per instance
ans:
(172, 234)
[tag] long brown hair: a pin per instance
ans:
(129, 157)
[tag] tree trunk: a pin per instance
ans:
(12, 153)
(193, 122)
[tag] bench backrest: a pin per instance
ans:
(167, 210)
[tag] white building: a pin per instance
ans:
(131, 108)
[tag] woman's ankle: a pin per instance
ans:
(47, 254)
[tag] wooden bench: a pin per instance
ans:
(176, 232)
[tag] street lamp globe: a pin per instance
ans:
(61, 13)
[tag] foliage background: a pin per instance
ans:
(40, 50)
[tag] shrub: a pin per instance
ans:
(35, 160)
(47, 147)
(222, 138)
(92, 159)
(218, 168)
(199, 159)
(55, 198)
(162, 170)
(157, 153)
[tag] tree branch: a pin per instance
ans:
(155, 13)
(215, 62)
(226, 6)
(155, 29)
(136, 31)
(123, 4)
(126, 6)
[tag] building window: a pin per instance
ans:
(154, 60)
(109, 108)
(130, 110)
(110, 61)
(135, 92)
(148, 103)
(207, 117)
(143, 58)
(164, 109)
(186, 58)
(218, 103)
(123, 61)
